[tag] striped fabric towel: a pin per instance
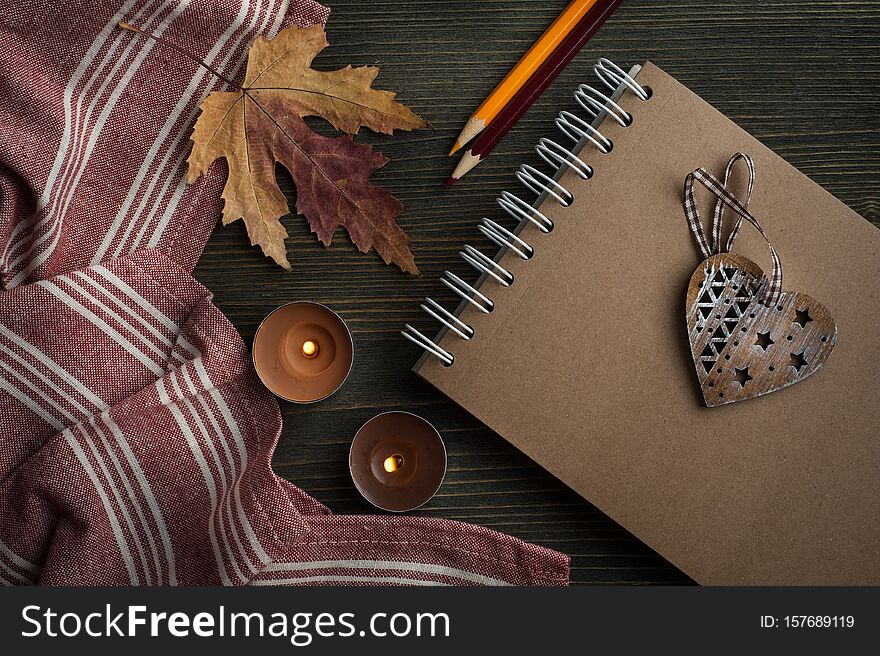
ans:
(135, 439)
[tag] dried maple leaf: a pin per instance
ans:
(261, 123)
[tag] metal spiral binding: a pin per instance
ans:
(583, 133)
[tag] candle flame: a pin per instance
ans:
(393, 463)
(310, 349)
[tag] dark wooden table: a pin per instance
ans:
(802, 76)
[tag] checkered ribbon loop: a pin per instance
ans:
(773, 291)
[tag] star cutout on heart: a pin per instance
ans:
(742, 347)
(742, 376)
(764, 340)
(803, 317)
(797, 361)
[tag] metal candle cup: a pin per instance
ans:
(303, 352)
(397, 461)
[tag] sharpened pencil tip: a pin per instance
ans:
(454, 149)
(450, 182)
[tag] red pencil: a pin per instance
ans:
(533, 89)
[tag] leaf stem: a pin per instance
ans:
(127, 26)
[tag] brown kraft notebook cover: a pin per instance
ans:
(584, 363)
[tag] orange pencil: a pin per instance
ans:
(519, 74)
(534, 87)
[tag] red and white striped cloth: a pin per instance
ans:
(135, 439)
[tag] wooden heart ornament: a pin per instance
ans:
(741, 347)
(747, 336)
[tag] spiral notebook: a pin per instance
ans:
(583, 361)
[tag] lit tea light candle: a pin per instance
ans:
(397, 461)
(303, 352)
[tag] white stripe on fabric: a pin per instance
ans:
(89, 134)
(339, 578)
(279, 14)
(206, 475)
(15, 575)
(36, 372)
(35, 407)
(126, 516)
(36, 389)
(224, 500)
(103, 325)
(111, 515)
(234, 429)
(151, 309)
(76, 139)
(73, 138)
(135, 501)
(18, 560)
(117, 318)
(187, 346)
(5, 582)
(55, 232)
(421, 568)
(236, 477)
(148, 494)
(162, 337)
(177, 195)
(149, 199)
(126, 289)
(61, 155)
(53, 366)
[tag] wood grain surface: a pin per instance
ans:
(802, 76)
